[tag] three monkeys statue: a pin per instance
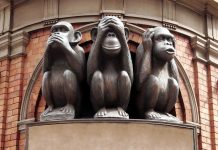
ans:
(109, 73)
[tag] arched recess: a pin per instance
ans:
(135, 30)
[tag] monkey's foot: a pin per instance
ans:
(101, 113)
(48, 110)
(166, 117)
(172, 118)
(122, 112)
(68, 109)
(112, 113)
(64, 113)
(153, 115)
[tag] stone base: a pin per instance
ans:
(111, 134)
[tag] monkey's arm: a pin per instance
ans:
(173, 70)
(76, 60)
(92, 64)
(143, 58)
(74, 57)
(138, 65)
(126, 57)
(46, 62)
(127, 61)
(94, 59)
(144, 69)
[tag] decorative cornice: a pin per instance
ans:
(205, 50)
(13, 45)
(169, 25)
(135, 28)
(4, 45)
(16, 2)
(212, 47)
(19, 40)
(199, 47)
(87, 27)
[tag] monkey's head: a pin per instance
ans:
(163, 44)
(111, 28)
(65, 31)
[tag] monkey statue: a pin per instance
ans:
(63, 72)
(156, 75)
(109, 69)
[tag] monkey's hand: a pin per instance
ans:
(103, 28)
(147, 39)
(62, 41)
(117, 25)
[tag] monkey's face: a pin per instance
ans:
(163, 48)
(111, 45)
(62, 33)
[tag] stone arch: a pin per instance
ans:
(190, 91)
(137, 31)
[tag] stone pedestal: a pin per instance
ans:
(111, 135)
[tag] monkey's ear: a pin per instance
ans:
(94, 33)
(77, 38)
(126, 33)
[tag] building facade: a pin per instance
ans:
(25, 28)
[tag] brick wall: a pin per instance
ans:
(16, 74)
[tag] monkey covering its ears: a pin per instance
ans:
(156, 75)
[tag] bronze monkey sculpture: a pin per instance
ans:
(156, 75)
(63, 71)
(109, 69)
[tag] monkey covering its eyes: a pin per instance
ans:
(109, 69)
(63, 72)
(156, 75)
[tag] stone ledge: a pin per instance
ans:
(111, 134)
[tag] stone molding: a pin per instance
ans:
(212, 47)
(4, 45)
(22, 124)
(13, 45)
(199, 47)
(170, 9)
(19, 40)
(205, 50)
(51, 10)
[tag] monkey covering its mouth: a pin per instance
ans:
(63, 72)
